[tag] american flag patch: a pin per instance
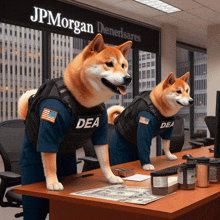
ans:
(144, 120)
(49, 115)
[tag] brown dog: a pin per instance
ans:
(92, 77)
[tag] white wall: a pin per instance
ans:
(213, 66)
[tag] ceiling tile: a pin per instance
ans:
(183, 4)
(99, 1)
(212, 4)
(190, 18)
(138, 8)
(207, 14)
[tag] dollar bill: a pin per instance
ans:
(121, 193)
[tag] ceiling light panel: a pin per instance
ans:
(159, 5)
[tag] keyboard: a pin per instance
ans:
(169, 170)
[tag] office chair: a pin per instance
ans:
(11, 138)
(178, 137)
(90, 160)
(211, 124)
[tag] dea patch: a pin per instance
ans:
(87, 123)
(167, 124)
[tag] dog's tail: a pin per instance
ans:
(113, 112)
(23, 103)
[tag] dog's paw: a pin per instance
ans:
(148, 167)
(115, 179)
(55, 186)
(172, 157)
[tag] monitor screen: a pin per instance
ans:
(217, 134)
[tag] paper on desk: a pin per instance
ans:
(122, 193)
(137, 177)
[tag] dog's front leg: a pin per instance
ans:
(50, 171)
(166, 148)
(103, 157)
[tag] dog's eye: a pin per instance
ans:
(187, 90)
(109, 64)
(122, 65)
(178, 92)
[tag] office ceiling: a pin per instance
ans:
(191, 22)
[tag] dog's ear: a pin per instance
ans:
(185, 77)
(125, 47)
(97, 44)
(169, 80)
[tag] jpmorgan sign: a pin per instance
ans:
(60, 17)
(46, 16)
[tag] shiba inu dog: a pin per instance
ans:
(92, 77)
(169, 96)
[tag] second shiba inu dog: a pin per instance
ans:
(92, 77)
(168, 97)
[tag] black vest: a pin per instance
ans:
(126, 123)
(83, 123)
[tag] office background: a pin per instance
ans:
(189, 41)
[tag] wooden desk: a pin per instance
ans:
(201, 203)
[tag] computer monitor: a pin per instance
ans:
(217, 134)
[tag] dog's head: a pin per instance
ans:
(106, 67)
(176, 90)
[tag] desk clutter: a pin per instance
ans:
(196, 172)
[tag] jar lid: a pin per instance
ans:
(190, 159)
(202, 160)
(190, 164)
(158, 173)
(183, 166)
(214, 163)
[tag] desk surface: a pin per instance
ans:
(170, 207)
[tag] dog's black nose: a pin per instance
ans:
(191, 101)
(127, 80)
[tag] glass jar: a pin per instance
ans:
(159, 183)
(190, 175)
(202, 165)
(214, 171)
(186, 176)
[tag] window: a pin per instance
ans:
(13, 53)
(148, 74)
(200, 89)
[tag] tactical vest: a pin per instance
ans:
(83, 123)
(126, 123)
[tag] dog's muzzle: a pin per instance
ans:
(191, 101)
(118, 89)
